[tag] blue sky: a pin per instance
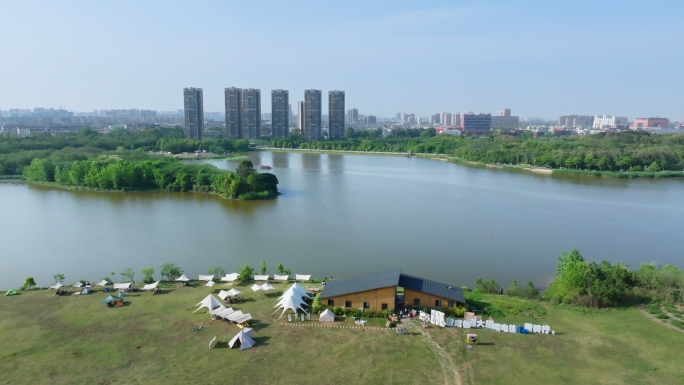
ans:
(539, 58)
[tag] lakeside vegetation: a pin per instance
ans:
(119, 160)
(624, 154)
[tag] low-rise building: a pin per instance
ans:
(650, 123)
(379, 292)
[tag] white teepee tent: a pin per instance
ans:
(244, 338)
(327, 316)
(209, 302)
(183, 278)
(292, 302)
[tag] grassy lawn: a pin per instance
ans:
(73, 340)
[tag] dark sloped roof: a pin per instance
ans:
(362, 283)
(451, 292)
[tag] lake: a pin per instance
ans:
(346, 215)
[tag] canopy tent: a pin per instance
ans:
(300, 277)
(217, 310)
(183, 278)
(210, 302)
(256, 287)
(234, 315)
(242, 339)
(234, 292)
(86, 290)
(78, 284)
(292, 302)
(10, 292)
(55, 286)
(296, 289)
(223, 313)
(206, 277)
(261, 277)
(267, 286)
(230, 277)
(123, 285)
(210, 283)
(280, 277)
(151, 286)
(102, 283)
(242, 319)
(327, 316)
(223, 294)
(111, 298)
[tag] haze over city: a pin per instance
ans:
(537, 58)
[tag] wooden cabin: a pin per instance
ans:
(379, 292)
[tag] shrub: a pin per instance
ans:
(246, 272)
(148, 275)
(662, 316)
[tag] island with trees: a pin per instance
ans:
(120, 161)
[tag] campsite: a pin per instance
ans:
(154, 338)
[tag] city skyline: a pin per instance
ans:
(520, 58)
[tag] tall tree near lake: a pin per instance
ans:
(171, 271)
(263, 267)
(128, 273)
(148, 273)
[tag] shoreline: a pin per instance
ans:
(527, 168)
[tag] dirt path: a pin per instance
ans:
(667, 323)
(451, 375)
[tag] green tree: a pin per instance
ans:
(246, 272)
(40, 170)
(263, 267)
(245, 168)
(216, 272)
(282, 270)
(148, 274)
(29, 283)
(59, 278)
(128, 273)
(171, 271)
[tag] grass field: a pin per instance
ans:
(75, 340)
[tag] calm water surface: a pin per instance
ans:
(346, 215)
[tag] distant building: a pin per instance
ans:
(371, 119)
(505, 112)
(194, 113)
(435, 118)
(446, 119)
(251, 113)
(336, 114)
(352, 116)
(23, 131)
(456, 119)
(280, 113)
(505, 122)
(300, 116)
(233, 98)
(476, 123)
(312, 115)
(603, 121)
(650, 123)
(576, 121)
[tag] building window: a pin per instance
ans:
(416, 301)
(366, 305)
(384, 306)
(347, 303)
(331, 302)
(438, 303)
(451, 303)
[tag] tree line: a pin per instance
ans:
(600, 284)
(112, 173)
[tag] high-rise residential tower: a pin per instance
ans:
(251, 113)
(300, 116)
(504, 112)
(193, 102)
(233, 113)
(335, 114)
(446, 119)
(280, 113)
(312, 115)
(352, 116)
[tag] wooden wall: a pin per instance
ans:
(426, 300)
(375, 297)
